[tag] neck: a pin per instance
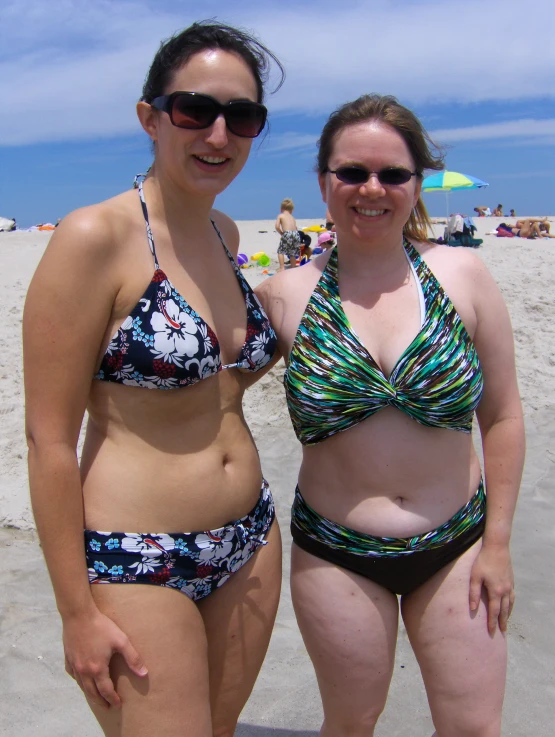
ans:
(177, 206)
(374, 259)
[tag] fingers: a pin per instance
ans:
(133, 659)
(107, 692)
(494, 609)
(507, 604)
(475, 593)
(100, 691)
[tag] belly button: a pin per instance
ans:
(400, 501)
(225, 460)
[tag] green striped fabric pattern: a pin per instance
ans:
(333, 383)
(338, 537)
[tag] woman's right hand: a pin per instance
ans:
(89, 644)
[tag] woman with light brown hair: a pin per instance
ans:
(392, 343)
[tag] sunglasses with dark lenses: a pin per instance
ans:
(194, 111)
(359, 175)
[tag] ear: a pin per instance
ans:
(322, 181)
(148, 118)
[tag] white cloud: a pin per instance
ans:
(527, 128)
(292, 141)
(76, 72)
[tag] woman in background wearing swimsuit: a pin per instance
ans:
(392, 343)
(141, 294)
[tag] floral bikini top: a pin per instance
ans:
(165, 344)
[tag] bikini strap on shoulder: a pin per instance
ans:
(229, 255)
(147, 223)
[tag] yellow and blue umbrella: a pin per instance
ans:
(447, 181)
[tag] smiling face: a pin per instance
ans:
(370, 210)
(204, 162)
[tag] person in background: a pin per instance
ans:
(326, 240)
(498, 212)
(165, 626)
(392, 344)
(528, 228)
(512, 213)
(290, 242)
(482, 211)
(306, 248)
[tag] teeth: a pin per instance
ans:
(370, 213)
(212, 159)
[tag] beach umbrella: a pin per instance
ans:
(447, 181)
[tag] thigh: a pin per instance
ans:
(462, 665)
(349, 626)
(238, 620)
(167, 630)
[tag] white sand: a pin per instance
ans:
(523, 269)
(37, 699)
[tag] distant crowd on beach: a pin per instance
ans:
(484, 211)
(524, 228)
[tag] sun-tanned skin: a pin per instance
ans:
(149, 659)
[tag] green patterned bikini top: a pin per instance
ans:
(333, 383)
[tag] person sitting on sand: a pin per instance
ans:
(290, 241)
(498, 212)
(482, 211)
(512, 213)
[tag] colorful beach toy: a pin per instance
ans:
(264, 260)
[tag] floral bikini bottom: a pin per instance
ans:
(195, 563)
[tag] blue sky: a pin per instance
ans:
(73, 70)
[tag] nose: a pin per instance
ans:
(373, 186)
(217, 135)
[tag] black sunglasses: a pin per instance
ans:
(194, 111)
(359, 175)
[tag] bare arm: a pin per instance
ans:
(279, 225)
(502, 429)
(66, 313)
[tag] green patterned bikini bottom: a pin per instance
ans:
(338, 537)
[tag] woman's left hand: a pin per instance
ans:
(493, 570)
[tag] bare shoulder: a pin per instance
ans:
(92, 232)
(294, 281)
(286, 295)
(229, 230)
(461, 264)
(91, 246)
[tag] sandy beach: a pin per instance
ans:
(38, 699)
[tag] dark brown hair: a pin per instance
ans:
(388, 110)
(205, 35)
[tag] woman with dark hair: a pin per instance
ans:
(139, 314)
(392, 343)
